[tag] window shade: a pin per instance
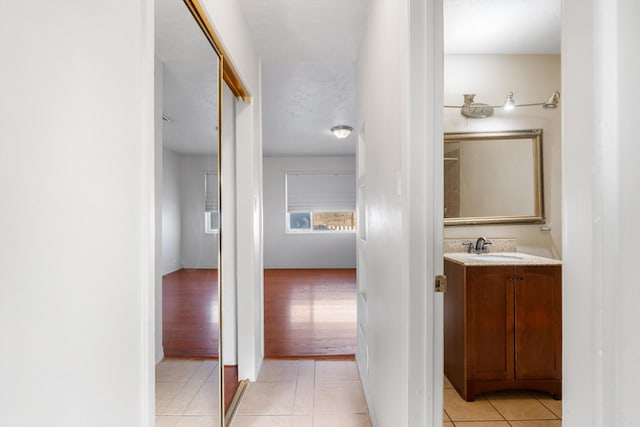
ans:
(329, 192)
(210, 191)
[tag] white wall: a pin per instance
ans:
(199, 249)
(184, 242)
(623, 373)
(382, 316)
(532, 78)
(399, 316)
(601, 62)
(297, 250)
(171, 213)
(159, 202)
(229, 261)
(77, 294)
(380, 98)
(226, 16)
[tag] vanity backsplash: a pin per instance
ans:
(497, 245)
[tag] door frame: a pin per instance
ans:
(425, 211)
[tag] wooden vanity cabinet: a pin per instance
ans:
(503, 328)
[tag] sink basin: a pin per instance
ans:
(495, 257)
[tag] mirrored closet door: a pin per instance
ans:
(188, 71)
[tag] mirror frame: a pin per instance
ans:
(535, 135)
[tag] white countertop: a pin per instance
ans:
(499, 258)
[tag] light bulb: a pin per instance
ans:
(509, 103)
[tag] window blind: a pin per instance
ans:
(329, 192)
(211, 191)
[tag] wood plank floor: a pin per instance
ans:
(190, 313)
(310, 313)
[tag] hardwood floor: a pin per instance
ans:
(190, 313)
(310, 313)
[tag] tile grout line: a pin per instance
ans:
(182, 387)
(198, 391)
(295, 392)
(313, 400)
(548, 408)
(194, 397)
(498, 411)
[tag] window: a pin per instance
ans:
(321, 202)
(211, 222)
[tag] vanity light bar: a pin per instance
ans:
(478, 110)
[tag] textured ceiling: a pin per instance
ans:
(502, 26)
(190, 78)
(306, 30)
(301, 102)
(309, 50)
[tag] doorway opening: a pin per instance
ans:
(486, 71)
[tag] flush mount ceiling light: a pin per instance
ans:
(341, 131)
(478, 110)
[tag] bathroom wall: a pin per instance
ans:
(532, 78)
(301, 250)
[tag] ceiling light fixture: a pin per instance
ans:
(341, 131)
(478, 110)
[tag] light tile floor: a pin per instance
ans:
(307, 393)
(304, 393)
(187, 393)
(501, 409)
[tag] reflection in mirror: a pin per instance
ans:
(229, 277)
(188, 68)
(493, 177)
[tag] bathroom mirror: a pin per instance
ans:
(493, 177)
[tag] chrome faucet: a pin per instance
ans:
(481, 245)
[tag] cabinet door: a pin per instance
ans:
(538, 322)
(454, 327)
(490, 323)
